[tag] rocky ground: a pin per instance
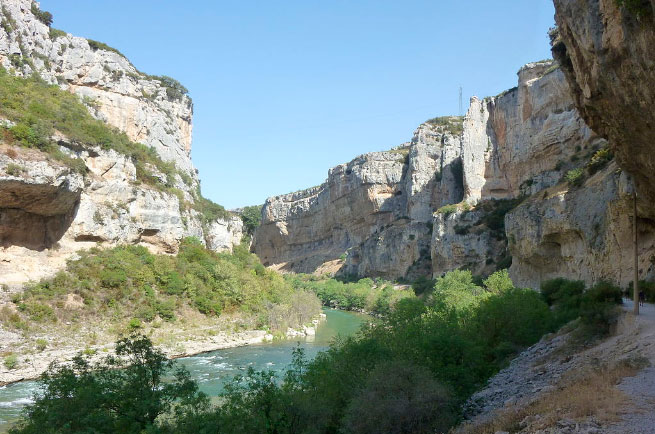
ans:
(193, 336)
(558, 386)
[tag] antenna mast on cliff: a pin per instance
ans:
(460, 101)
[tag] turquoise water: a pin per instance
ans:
(212, 370)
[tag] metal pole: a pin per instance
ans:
(635, 295)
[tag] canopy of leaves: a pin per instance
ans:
(123, 393)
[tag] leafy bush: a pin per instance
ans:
(44, 16)
(499, 282)
(596, 307)
(126, 283)
(11, 361)
(400, 397)
(423, 285)
(599, 160)
(252, 218)
(126, 393)
(575, 177)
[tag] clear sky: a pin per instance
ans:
(285, 89)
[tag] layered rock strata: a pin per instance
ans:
(371, 217)
(506, 184)
(47, 211)
(115, 91)
(606, 52)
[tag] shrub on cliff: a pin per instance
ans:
(575, 177)
(44, 16)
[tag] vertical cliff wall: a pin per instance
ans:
(606, 52)
(493, 193)
(48, 210)
(372, 216)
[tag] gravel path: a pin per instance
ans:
(640, 419)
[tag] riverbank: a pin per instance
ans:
(214, 369)
(176, 342)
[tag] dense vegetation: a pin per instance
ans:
(407, 373)
(123, 393)
(130, 286)
(365, 295)
(252, 218)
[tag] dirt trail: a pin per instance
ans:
(541, 372)
(640, 418)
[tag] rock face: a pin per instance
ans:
(373, 214)
(582, 233)
(607, 54)
(504, 177)
(109, 84)
(520, 142)
(48, 212)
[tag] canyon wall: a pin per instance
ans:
(48, 211)
(493, 193)
(606, 52)
(372, 216)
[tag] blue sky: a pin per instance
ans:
(284, 90)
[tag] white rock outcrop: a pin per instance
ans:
(377, 215)
(47, 211)
(371, 217)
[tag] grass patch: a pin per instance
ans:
(97, 45)
(452, 124)
(448, 209)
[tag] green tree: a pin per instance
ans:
(252, 218)
(123, 393)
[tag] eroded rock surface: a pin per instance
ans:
(109, 84)
(379, 214)
(48, 211)
(373, 213)
(607, 54)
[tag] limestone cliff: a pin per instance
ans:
(143, 106)
(372, 216)
(504, 176)
(606, 51)
(47, 210)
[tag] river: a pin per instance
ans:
(212, 370)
